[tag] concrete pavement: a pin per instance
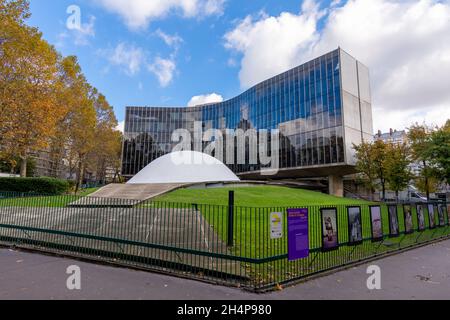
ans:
(423, 273)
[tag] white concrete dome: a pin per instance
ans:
(184, 167)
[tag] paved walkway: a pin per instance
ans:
(420, 274)
(179, 228)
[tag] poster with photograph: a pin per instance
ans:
(394, 229)
(329, 229)
(431, 216)
(420, 208)
(407, 213)
(355, 235)
(377, 223)
(442, 213)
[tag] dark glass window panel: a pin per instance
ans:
(306, 100)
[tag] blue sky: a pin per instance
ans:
(164, 52)
(201, 61)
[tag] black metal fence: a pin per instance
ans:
(224, 244)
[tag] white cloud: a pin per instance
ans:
(163, 69)
(80, 35)
(205, 99)
(172, 41)
(401, 119)
(138, 14)
(128, 57)
(406, 45)
(273, 44)
(121, 127)
(86, 31)
(132, 60)
(335, 3)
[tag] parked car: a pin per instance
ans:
(411, 195)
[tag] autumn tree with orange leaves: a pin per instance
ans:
(27, 77)
(46, 103)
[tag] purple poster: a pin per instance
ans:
(298, 234)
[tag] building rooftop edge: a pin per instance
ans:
(258, 84)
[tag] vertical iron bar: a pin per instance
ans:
(230, 219)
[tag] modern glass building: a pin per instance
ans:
(321, 109)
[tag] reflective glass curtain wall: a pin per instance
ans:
(306, 104)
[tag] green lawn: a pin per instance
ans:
(252, 227)
(38, 202)
(86, 192)
(259, 196)
(45, 201)
(252, 213)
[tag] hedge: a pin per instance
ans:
(49, 186)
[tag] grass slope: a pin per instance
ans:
(44, 201)
(259, 196)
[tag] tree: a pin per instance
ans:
(82, 132)
(28, 113)
(47, 105)
(439, 151)
(12, 16)
(365, 165)
(11, 164)
(108, 144)
(429, 185)
(419, 137)
(397, 162)
(379, 162)
(371, 162)
(107, 157)
(70, 90)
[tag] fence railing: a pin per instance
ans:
(225, 244)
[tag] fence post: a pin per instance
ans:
(230, 219)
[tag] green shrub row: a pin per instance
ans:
(49, 186)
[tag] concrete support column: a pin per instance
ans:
(336, 186)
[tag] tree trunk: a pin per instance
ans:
(383, 184)
(23, 166)
(427, 181)
(427, 186)
(80, 176)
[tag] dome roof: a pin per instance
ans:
(184, 167)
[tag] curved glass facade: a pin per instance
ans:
(309, 105)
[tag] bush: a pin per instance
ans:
(35, 185)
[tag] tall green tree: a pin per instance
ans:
(419, 137)
(365, 165)
(440, 151)
(371, 163)
(397, 165)
(379, 150)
